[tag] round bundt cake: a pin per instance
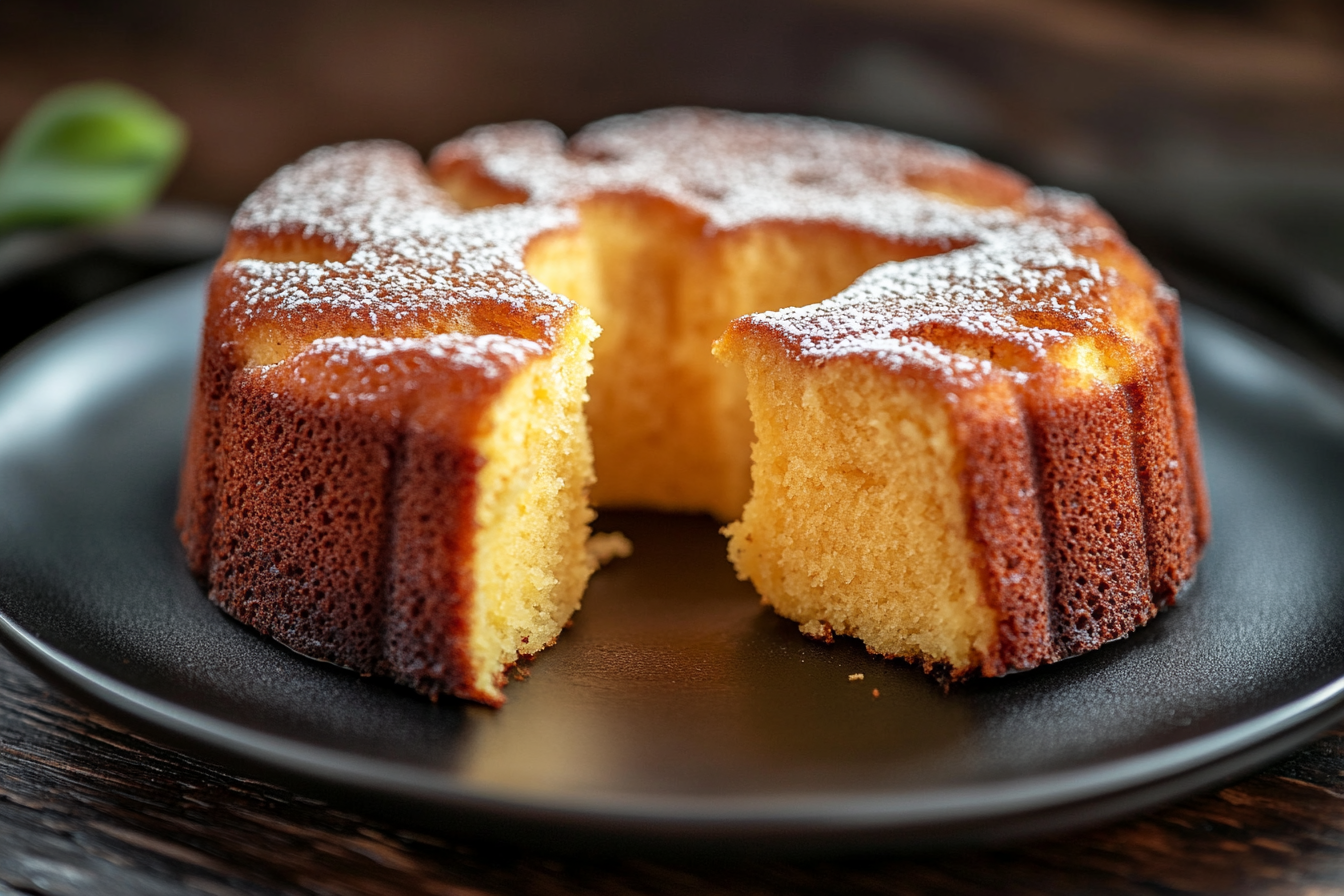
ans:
(974, 441)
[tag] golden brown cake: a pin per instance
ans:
(974, 438)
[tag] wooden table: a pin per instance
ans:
(87, 807)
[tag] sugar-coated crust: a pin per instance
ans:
(1085, 497)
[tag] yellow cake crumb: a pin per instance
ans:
(604, 547)
(531, 562)
(843, 449)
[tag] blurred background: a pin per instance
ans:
(1214, 131)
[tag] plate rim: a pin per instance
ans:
(1090, 794)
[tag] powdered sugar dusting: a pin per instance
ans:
(404, 261)
(412, 256)
(989, 293)
(735, 169)
(1003, 264)
(488, 352)
(366, 369)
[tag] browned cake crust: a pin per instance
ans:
(1084, 499)
(367, 525)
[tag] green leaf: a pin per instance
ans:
(89, 152)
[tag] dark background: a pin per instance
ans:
(1240, 98)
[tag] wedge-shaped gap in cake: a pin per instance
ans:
(671, 428)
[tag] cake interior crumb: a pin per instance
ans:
(531, 563)
(843, 451)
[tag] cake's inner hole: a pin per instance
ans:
(670, 424)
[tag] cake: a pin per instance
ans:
(941, 410)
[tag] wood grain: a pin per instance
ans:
(87, 807)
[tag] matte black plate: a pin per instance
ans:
(676, 711)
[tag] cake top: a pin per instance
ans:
(388, 378)
(371, 246)
(741, 169)
(1022, 289)
(1004, 263)
(355, 240)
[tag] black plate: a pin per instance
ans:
(676, 711)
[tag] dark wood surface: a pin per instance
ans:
(86, 807)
